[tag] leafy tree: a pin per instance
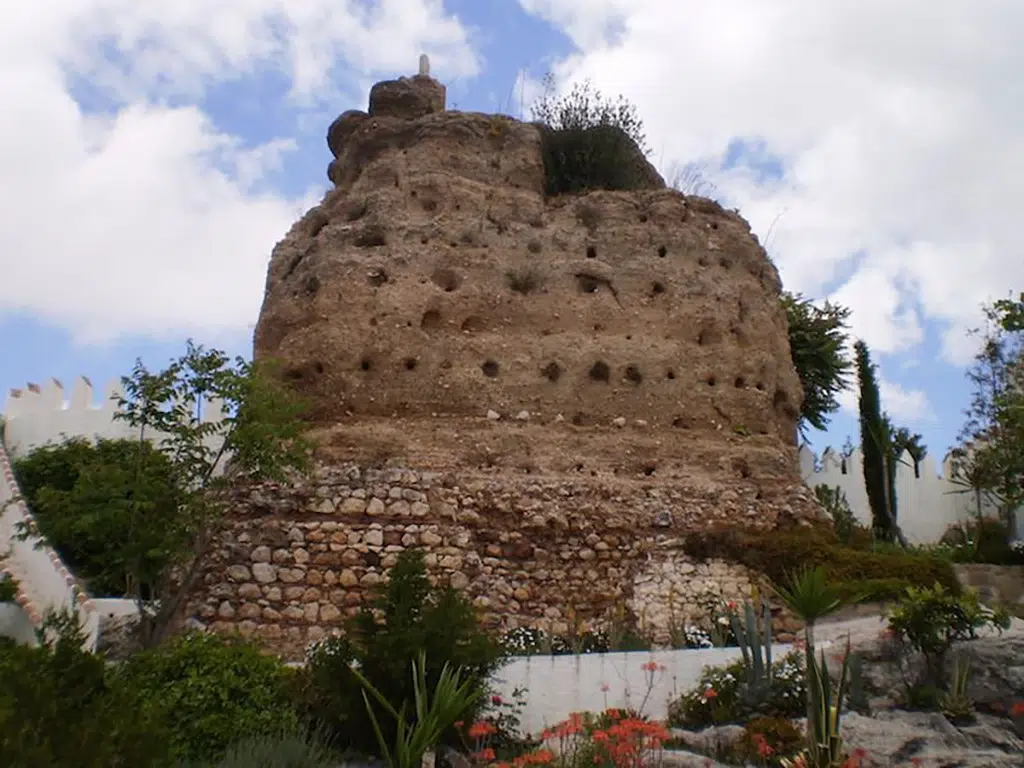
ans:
(590, 142)
(817, 339)
(877, 450)
(151, 510)
(995, 416)
(109, 508)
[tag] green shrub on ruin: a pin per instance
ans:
(866, 575)
(589, 142)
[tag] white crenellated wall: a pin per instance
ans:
(925, 506)
(33, 417)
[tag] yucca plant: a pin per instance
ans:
(824, 741)
(811, 598)
(452, 699)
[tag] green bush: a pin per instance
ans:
(60, 707)
(589, 143)
(984, 541)
(723, 695)
(777, 553)
(213, 691)
(930, 620)
(407, 616)
(109, 509)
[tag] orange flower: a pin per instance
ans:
(710, 693)
(1017, 708)
(480, 729)
(650, 666)
(486, 755)
(764, 749)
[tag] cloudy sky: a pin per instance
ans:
(153, 153)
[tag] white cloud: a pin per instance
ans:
(905, 406)
(146, 218)
(899, 126)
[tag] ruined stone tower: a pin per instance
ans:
(543, 391)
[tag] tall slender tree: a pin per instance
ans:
(876, 445)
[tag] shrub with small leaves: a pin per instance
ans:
(929, 621)
(589, 142)
(767, 740)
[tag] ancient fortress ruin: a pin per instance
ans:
(545, 393)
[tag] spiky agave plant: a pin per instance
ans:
(435, 713)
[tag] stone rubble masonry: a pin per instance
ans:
(296, 560)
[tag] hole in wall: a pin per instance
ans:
(294, 374)
(587, 284)
(649, 469)
(742, 468)
(373, 321)
(472, 324)
(657, 288)
(739, 382)
(377, 277)
(552, 371)
(670, 375)
(643, 218)
(759, 386)
(580, 419)
(445, 279)
(591, 252)
(681, 422)
(312, 285)
(724, 263)
(711, 380)
(318, 367)
(409, 363)
(431, 319)
(662, 251)
(371, 236)
(599, 371)
(633, 374)
(490, 368)
(365, 364)
(714, 225)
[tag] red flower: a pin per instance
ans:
(1017, 708)
(496, 701)
(710, 693)
(487, 755)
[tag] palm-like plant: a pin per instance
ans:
(452, 699)
(811, 598)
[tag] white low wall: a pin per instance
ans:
(556, 686)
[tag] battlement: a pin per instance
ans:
(927, 501)
(36, 415)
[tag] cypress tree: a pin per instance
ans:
(872, 428)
